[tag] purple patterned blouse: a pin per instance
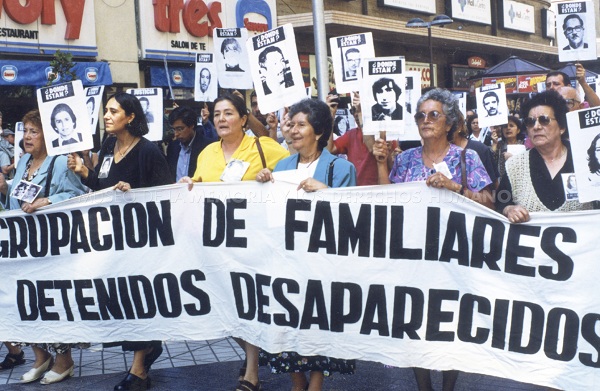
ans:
(409, 167)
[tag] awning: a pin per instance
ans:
(181, 76)
(35, 73)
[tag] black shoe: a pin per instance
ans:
(12, 360)
(152, 356)
(133, 383)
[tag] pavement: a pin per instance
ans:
(213, 366)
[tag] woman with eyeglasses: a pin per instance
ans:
(533, 181)
(438, 117)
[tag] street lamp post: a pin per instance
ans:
(438, 20)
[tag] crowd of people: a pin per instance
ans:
(514, 168)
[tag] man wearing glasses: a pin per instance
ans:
(572, 97)
(574, 31)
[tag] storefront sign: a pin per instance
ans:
(424, 70)
(476, 62)
(518, 16)
(35, 73)
(39, 27)
(427, 6)
(479, 11)
(178, 30)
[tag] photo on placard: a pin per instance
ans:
(491, 105)
(105, 167)
(382, 95)
(231, 57)
(276, 68)
(584, 137)
(31, 192)
(576, 31)
(411, 97)
(93, 103)
(570, 186)
(205, 82)
(151, 100)
(347, 53)
(65, 118)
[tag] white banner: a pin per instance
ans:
(401, 274)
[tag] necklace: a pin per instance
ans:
(317, 155)
(127, 150)
(434, 161)
(28, 174)
(563, 152)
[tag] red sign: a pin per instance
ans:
(33, 10)
(510, 82)
(476, 62)
(529, 83)
(166, 16)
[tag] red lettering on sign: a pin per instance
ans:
(34, 9)
(23, 14)
(166, 16)
(259, 27)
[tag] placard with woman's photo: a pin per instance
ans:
(584, 135)
(65, 118)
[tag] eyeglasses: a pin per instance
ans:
(432, 116)
(576, 29)
(544, 120)
(178, 129)
(572, 102)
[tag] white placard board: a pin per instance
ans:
(233, 66)
(491, 105)
(151, 100)
(576, 31)
(347, 53)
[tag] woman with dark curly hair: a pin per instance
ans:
(133, 162)
(533, 181)
(593, 153)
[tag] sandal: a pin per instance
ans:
(245, 385)
(12, 360)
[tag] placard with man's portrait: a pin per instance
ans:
(576, 31)
(584, 136)
(233, 66)
(151, 100)
(382, 95)
(65, 119)
(491, 105)
(205, 81)
(347, 53)
(93, 102)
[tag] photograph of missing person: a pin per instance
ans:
(91, 105)
(491, 105)
(31, 193)
(351, 63)
(105, 167)
(275, 70)
(232, 52)
(576, 31)
(147, 110)
(387, 94)
(348, 53)
(570, 186)
(64, 123)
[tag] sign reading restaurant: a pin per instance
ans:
(33, 27)
(177, 30)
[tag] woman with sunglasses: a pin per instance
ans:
(438, 118)
(533, 181)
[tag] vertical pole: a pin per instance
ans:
(431, 76)
(318, 11)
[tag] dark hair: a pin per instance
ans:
(569, 17)
(205, 69)
(384, 82)
(186, 114)
(517, 121)
(491, 93)
(144, 99)
(569, 181)
(131, 105)
(34, 118)
(319, 117)
(59, 108)
(351, 50)
(593, 162)
(565, 77)
(469, 121)
(237, 102)
(336, 123)
(449, 106)
(233, 42)
(262, 57)
(551, 99)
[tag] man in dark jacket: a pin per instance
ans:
(188, 141)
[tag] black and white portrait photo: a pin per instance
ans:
(152, 105)
(576, 31)
(348, 54)
(382, 90)
(93, 104)
(491, 105)
(387, 94)
(64, 123)
(275, 67)
(231, 58)
(205, 83)
(31, 192)
(65, 118)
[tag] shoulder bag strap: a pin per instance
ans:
(49, 177)
(330, 173)
(260, 152)
(463, 168)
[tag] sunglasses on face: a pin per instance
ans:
(432, 116)
(544, 120)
